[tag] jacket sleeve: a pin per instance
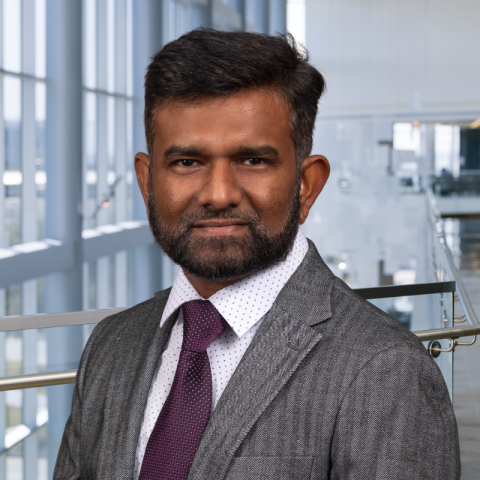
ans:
(396, 421)
(67, 466)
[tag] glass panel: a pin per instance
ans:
(13, 300)
(176, 20)
(111, 281)
(424, 312)
(234, 5)
(92, 284)
(41, 295)
(464, 184)
(296, 19)
(447, 149)
(90, 159)
(111, 170)
(181, 19)
(13, 398)
(90, 44)
(111, 45)
(169, 25)
(26, 443)
(14, 463)
(12, 176)
(129, 49)
(419, 312)
(27, 453)
(130, 177)
(40, 38)
(40, 166)
(12, 35)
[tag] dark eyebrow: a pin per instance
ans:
(240, 151)
(258, 151)
(179, 151)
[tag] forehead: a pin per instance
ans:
(248, 117)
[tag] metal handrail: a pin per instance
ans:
(69, 376)
(38, 380)
(464, 300)
(391, 291)
(440, 233)
(50, 320)
(88, 317)
(27, 322)
(447, 333)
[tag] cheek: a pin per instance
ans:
(172, 200)
(272, 202)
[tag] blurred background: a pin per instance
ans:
(401, 118)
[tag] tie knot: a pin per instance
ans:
(202, 325)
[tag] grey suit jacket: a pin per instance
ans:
(330, 388)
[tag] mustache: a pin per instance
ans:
(248, 217)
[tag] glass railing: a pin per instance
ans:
(438, 312)
(442, 264)
(420, 308)
(426, 309)
(466, 183)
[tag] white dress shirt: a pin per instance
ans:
(243, 305)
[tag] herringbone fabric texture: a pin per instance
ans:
(330, 388)
(184, 417)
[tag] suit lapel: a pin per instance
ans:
(281, 343)
(133, 380)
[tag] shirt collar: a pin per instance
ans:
(245, 302)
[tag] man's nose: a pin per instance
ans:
(220, 189)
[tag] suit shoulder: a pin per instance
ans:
(371, 326)
(129, 318)
(114, 333)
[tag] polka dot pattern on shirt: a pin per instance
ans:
(243, 305)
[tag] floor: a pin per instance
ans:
(467, 359)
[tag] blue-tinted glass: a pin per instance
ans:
(12, 176)
(40, 38)
(12, 58)
(90, 43)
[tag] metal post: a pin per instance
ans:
(63, 195)
(29, 228)
(3, 407)
(3, 419)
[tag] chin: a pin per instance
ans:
(219, 258)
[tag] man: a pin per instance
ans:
(258, 363)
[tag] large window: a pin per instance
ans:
(107, 141)
(117, 34)
(108, 106)
(22, 156)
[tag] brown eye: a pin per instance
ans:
(254, 161)
(186, 163)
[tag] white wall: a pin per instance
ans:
(396, 56)
(384, 62)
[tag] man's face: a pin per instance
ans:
(223, 196)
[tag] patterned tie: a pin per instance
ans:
(185, 414)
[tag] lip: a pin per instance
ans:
(219, 223)
(220, 227)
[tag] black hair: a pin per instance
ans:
(205, 63)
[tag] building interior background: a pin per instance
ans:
(399, 123)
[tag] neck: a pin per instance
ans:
(206, 288)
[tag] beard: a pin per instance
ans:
(226, 258)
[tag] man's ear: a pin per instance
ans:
(142, 166)
(315, 173)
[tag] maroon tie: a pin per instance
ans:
(185, 414)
